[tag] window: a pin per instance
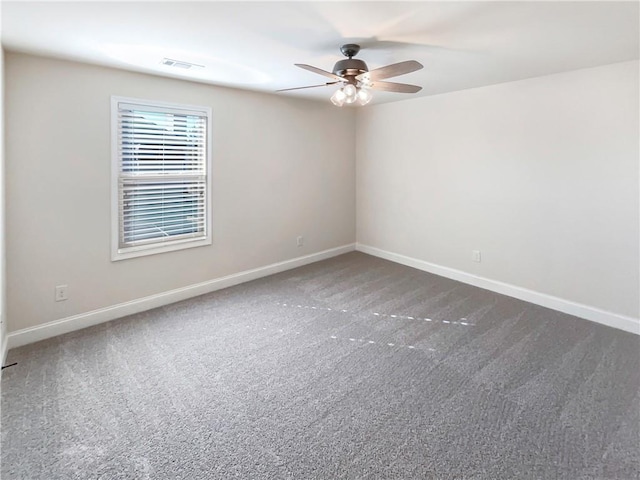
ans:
(160, 167)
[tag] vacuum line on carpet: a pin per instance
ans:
(462, 321)
(372, 342)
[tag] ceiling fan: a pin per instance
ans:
(357, 80)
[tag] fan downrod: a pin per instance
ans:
(350, 50)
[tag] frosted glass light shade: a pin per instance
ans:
(364, 96)
(351, 93)
(338, 98)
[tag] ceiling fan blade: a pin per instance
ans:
(320, 71)
(395, 87)
(391, 70)
(310, 86)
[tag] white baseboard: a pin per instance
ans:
(95, 317)
(622, 322)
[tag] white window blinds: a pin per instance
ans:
(162, 170)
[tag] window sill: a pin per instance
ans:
(143, 250)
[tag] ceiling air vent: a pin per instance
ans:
(179, 64)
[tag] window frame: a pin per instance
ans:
(134, 251)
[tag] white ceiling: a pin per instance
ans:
(253, 45)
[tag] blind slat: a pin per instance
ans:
(153, 237)
(150, 226)
(160, 199)
(161, 212)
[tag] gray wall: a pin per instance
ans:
(540, 175)
(281, 168)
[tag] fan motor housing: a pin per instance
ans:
(349, 67)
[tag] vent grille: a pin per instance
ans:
(179, 64)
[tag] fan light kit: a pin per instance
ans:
(351, 94)
(357, 81)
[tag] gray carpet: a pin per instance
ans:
(353, 367)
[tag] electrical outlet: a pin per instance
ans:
(300, 241)
(61, 293)
(475, 255)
